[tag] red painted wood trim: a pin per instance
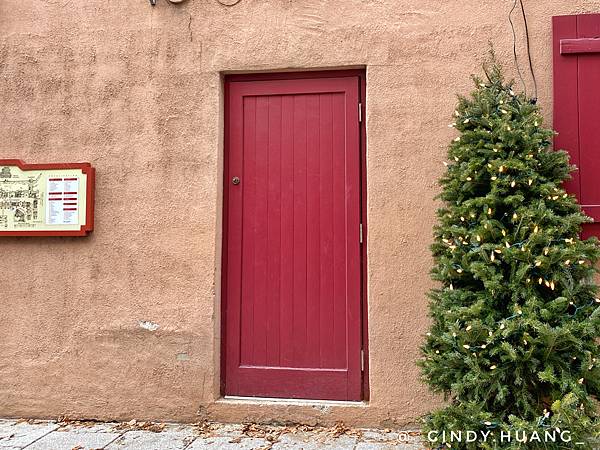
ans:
(224, 248)
(294, 75)
(582, 45)
(87, 169)
(566, 108)
(363, 208)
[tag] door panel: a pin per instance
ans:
(576, 107)
(588, 88)
(293, 272)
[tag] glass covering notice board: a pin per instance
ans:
(46, 199)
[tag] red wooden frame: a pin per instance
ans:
(87, 169)
(360, 73)
(581, 45)
(573, 36)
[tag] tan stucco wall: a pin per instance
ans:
(136, 91)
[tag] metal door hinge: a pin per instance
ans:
(362, 360)
(360, 112)
(360, 233)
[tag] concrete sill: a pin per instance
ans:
(234, 400)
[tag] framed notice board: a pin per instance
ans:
(46, 199)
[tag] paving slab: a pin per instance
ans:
(14, 434)
(229, 443)
(145, 440)
(379, 435)
(308, 441)
(69, 440)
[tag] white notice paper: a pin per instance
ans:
(62, 206)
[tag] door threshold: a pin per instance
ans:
(290, 401)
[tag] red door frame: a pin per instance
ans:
(360, 73)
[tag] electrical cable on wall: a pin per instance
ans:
(512, 26)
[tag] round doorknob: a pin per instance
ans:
(235, 180)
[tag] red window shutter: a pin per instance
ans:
(576, 41)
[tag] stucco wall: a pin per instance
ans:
(136, 91)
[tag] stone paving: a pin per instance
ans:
(76, 435)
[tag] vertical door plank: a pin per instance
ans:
(287, 239)
(338, 347)
(326, 231)
(259, 230)
(249, 216)
(274, 231)
(313, 264)
(299, 227)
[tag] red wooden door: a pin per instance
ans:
(577, 106)
(293, 273)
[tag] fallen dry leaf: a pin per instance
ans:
(134, 425)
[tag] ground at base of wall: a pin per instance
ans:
(78, 435)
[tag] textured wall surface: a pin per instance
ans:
(136, 91)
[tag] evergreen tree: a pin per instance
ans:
(515, 319)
